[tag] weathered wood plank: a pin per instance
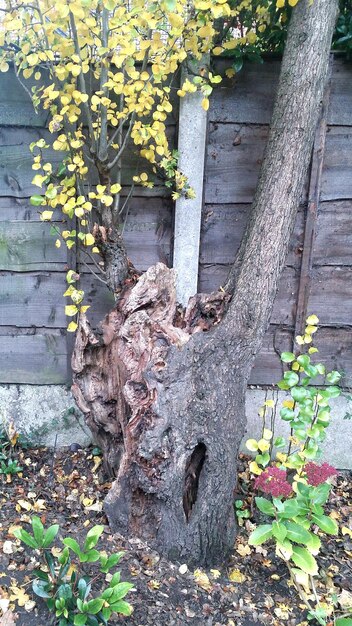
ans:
(222, 230)
(16, 108)
(33, 359)
(233, 159)
(16, 172)
(248, 97)
(268, 368)
(333, 242)
(337, 169)
(335, 351)
(331, 295)
(32, 300)
(340, 110)
(212, 276)
(234, 156)
(28, 246)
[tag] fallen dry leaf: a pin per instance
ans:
(8, 619)
(19, 595)
(243, 550)
(202, 580)
(236, 576)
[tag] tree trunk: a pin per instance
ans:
(164, 389)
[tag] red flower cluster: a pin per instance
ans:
(273, 481)
(317, 474)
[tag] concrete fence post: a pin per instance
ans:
(188, 213)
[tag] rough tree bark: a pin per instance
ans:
(164, 389)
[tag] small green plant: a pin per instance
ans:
(65, 586)
(10, 467)
(297, 486)
(242, 512)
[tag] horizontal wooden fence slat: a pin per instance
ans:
(333, 242)
(33, 359)
(248, 97)
(211, 277)
(29, 246)
(16, 172)
(234, 155)
(33, 299)
(340, 110)
(336, 178)
(268, 368)
(16, 108)
(331, 295)
(222, 230)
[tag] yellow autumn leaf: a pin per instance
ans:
(312, 319)
(84, 308)
(88, 240)
(308, 339)
(269, 403)
(71, 310)
(205, 104)
(311, 329)
(202, 580)
(295, 366)
(292, 3)
(72, 327)
(116, 188)
(289, 404)
(45, 216)
(267, 434)
(58, 243)
(215, 573)
(300, 340)
(97, 462)
(252, 445)
(254, 468)
(236, 576)
(312, 350)
(263, 445)
(18, 595)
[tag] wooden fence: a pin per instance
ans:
(318, 272)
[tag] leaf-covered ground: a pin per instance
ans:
(251, 589)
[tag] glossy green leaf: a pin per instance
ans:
(325, 523)
(265, 506)
(50, 535)
(304, 560)
(296, 532)
(287, 357)
(260, 534)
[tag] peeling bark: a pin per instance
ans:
(163, 389)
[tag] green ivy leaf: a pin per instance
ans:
(291, 378)
(287, 357)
